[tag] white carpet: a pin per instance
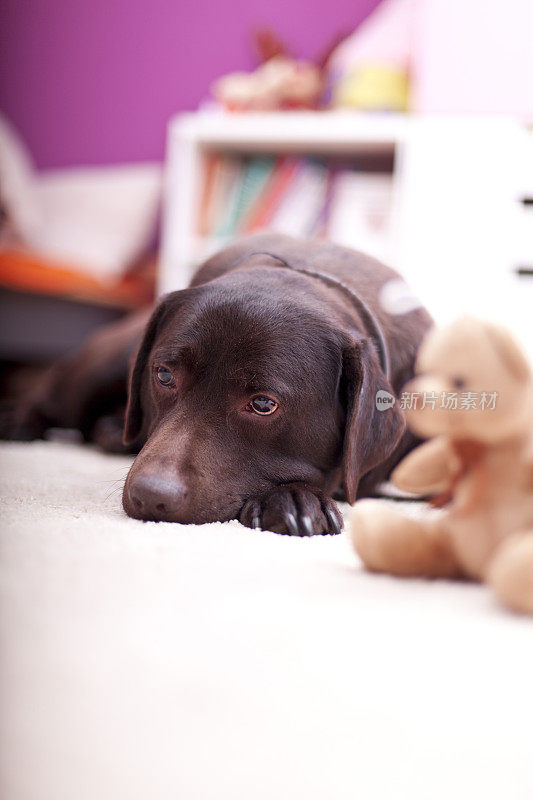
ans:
(155, 661)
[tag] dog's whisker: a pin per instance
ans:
(116, 480)
(112, 492)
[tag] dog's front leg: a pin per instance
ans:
(297, 509)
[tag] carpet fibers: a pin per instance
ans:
(146, 661)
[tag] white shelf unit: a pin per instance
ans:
(190, 136)
(457, 186)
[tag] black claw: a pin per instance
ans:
(290, 519)
(256, 522)
(307, 525)
(333, 521)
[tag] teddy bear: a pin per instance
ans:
(279, 83)
(472, 401)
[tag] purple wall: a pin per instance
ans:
(95, 81)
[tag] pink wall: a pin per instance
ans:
(94, 81)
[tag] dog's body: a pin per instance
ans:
(253, 391)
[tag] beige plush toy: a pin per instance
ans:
(279, 83)
(473, 400)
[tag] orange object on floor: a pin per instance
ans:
(27, 271)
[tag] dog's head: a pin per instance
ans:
(235, 392)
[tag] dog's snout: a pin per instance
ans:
(155, 497)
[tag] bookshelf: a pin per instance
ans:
(456, 184)
(191, 137)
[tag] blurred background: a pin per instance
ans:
(136, 138)
(97, 83)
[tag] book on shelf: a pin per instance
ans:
(211, 161)
(256, 172)
(300, 208)
(222, 179)
(360, 211)
(229, 188)
(263, 209)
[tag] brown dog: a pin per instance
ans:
(255, 388)
(253, 393)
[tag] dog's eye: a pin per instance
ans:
(262, 405)
(164, 376)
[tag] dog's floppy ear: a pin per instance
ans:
(134, 413)
(374, 421)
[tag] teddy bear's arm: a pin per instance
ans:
(429, 469)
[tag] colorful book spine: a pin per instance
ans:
(228, 194)
(211, 165)
(301, 205)
(256, 174)
(262, 211)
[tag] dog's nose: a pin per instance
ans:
(156, 498)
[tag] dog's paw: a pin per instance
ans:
(292, 508)
(107, 434)
(20, 423)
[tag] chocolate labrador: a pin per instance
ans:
(260, 392)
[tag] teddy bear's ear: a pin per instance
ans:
(509, 351)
